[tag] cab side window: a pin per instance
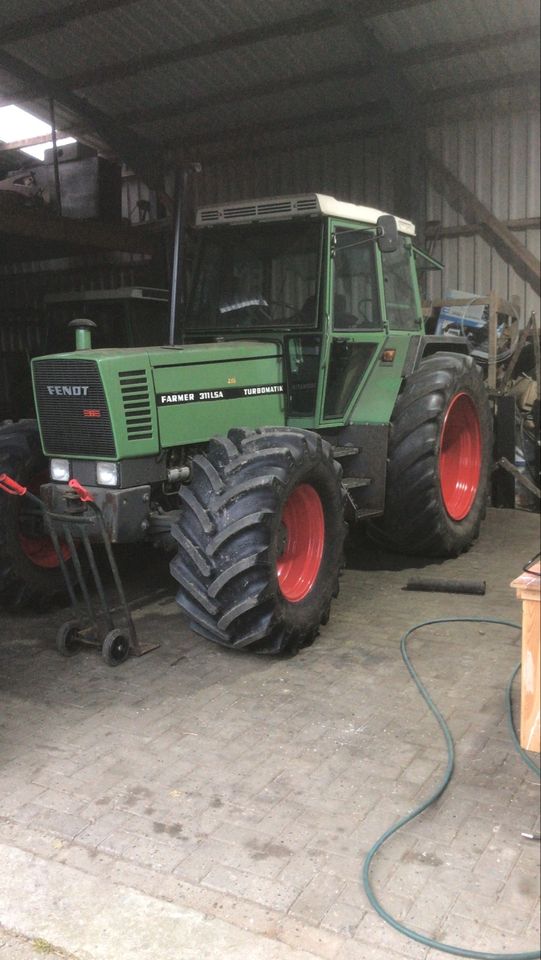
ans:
(355, 305)
(400, 294)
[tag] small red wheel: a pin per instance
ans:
(38, 547)
(304, 539)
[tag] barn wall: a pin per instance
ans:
(497, 158)
(360, 171)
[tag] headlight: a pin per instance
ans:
(107, 474)
(60, 470)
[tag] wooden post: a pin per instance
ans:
(528, 587)
(492, 339)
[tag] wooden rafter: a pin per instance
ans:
(315, 132)
(321, 19)
(358, 70)
(29, 141)
(434, 231)
(252, 131)
(54, 19)
(87, 233)
(473, 210)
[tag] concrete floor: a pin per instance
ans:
(200, 804)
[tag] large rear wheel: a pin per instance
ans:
(29, 569)
(260, 538)
(439, 459)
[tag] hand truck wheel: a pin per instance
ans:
(67, 638)
(116, 648)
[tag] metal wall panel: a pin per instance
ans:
(498, 159)
(358, 170)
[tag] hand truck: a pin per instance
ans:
(89, 626)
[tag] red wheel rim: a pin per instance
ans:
(40, 550)
(460, 456)
(299, 563)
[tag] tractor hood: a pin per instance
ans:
(112, 404)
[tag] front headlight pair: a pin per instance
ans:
(106, 472)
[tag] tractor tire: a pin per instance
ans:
(29, 570)
(439, 460)
(260, 538)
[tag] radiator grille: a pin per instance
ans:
(136, 402)
(72, 408)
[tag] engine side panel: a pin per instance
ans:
(198, 400)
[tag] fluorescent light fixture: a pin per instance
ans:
(17, 124)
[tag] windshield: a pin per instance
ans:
(262, 275)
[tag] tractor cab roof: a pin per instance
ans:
(288, 207)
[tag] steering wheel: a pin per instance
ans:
(283, 304)
(362, 313)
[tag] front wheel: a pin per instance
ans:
(260, 537)
(439, 460)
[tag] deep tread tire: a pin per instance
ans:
(22, 582)
(229, 539)
(415, 519)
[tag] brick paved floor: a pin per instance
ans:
(13, 947)
(250, 789)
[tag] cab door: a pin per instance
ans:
(355, 329)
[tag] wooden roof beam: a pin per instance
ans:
(460, 48)
(87, 233)
(41, 23)
(410, 113)
(30, 141)
(357, 71)
(370, 108)
(434, 230)
(322, 19)
(250, 132)
(474, 211)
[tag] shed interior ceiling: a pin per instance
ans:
(153, 81)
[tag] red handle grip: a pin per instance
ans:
(9, 485)
(81, 491)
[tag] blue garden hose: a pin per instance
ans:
(442, 786)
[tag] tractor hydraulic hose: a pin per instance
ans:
(442, 786)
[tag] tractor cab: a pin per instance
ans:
(334, 283)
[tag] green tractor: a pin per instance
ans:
(304, 393)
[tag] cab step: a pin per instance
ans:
(347, 451)
(351, 483)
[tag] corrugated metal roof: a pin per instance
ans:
(453, 20)
(86, 48)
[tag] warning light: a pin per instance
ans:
(92, 413)
(388, 356)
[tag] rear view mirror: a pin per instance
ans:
(387, 233)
